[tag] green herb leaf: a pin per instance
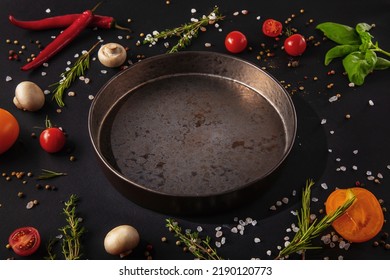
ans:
(359, 64)
(339, 33)
(382, 64)
(339, 51)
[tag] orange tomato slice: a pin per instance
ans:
(363, 220)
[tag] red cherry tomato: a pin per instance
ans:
(236, 42)
(25, 241)
(52, 139)
(272, 28)
(295, 45)
(9, 130)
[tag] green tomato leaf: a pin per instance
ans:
(339, 51)
(339, 33)
(382, 64)
(358, 65)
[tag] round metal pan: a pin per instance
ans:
(186, 132)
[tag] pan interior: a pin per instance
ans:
(193, 135)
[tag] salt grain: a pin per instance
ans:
(355, 152)
(323, 121)
(207, 45)
(223, 240)
(269, 252)
(43, 74)
(354, 167)
(218, 228)
(91, 97)
(333, 98)
(371, 103)
(257, 240)
(46, 92)
(234, 230)
(199, 229)
(236, 13)
(324, 186)
(8, 78)
(273, 208)
(244, 12)
(254, 222)
(193, 11)
(103, 71)
(218, 234)
(285, 200)
(48, 11)
(217, 244)
(294, 212)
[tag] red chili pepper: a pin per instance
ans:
(63, 21)
(61, 41)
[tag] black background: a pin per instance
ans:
(102, 207)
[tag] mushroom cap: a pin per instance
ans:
(29, 96)
(121, 240)
(112, 55)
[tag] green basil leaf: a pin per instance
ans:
(358, 65)
(362, 29)
(339, 51)
(339, 33)
(382, 63)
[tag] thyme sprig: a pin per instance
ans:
(308, 230)
(72, 232)
(67, 78)
(49, 174)
(199, 247)
(185, 32)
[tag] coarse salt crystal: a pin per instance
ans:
(371, 103)
(103, 71)
(286, 243)
(207, 45)
(273, 208)
(355, 152)
(218, 228)
(343, 168)
(254, 222)
(218, 234)
(234, 230)
(48, 11)
(323, 121)
(388, 167)
(43, 74)
(333, 98)
(91, 97)
(269, 252)
(236, 13)
(294, 212)
(324, 186)
(244, 12)
(285, 200)
(193, 11)
(8, 78)
(314, 199)
(354, 167)
(217, 244)
(258, 17)
(331, 132)
(370, 178)
(380, 176)
(199, 229)
(368, 173)
(257, 240)
(278, 203)
(46, 92)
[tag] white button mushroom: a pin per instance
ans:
(121, 240)
(112, 55)
(29, 96)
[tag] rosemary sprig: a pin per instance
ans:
(185, 32)
(72, 232)
(199, 247)
(76, 70)
(309, 230)
(49, 174)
